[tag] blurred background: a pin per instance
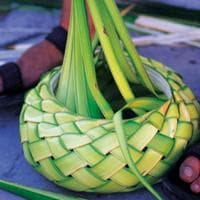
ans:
(168, 25)
(188, 4)
(151, 22)
(166, 30)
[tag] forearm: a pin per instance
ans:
(37, 60)
(33, 59)
(41, 57)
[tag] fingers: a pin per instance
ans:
(190, 169)
(195, 186)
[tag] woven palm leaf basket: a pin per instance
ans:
(107, 120)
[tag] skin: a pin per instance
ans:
(37, 60)
(189, 172)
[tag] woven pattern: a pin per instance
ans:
(83, 154)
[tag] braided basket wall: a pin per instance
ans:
(84, 154)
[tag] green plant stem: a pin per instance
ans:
(65, 75)
(116, 43)
(73, 89)
(113, 63)
(124, 35)
(32, 193)
(87, 54)
(125, 150)
(95, 42)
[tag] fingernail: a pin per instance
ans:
(195, 187)
(188, 171)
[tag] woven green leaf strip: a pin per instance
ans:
(70, 136)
